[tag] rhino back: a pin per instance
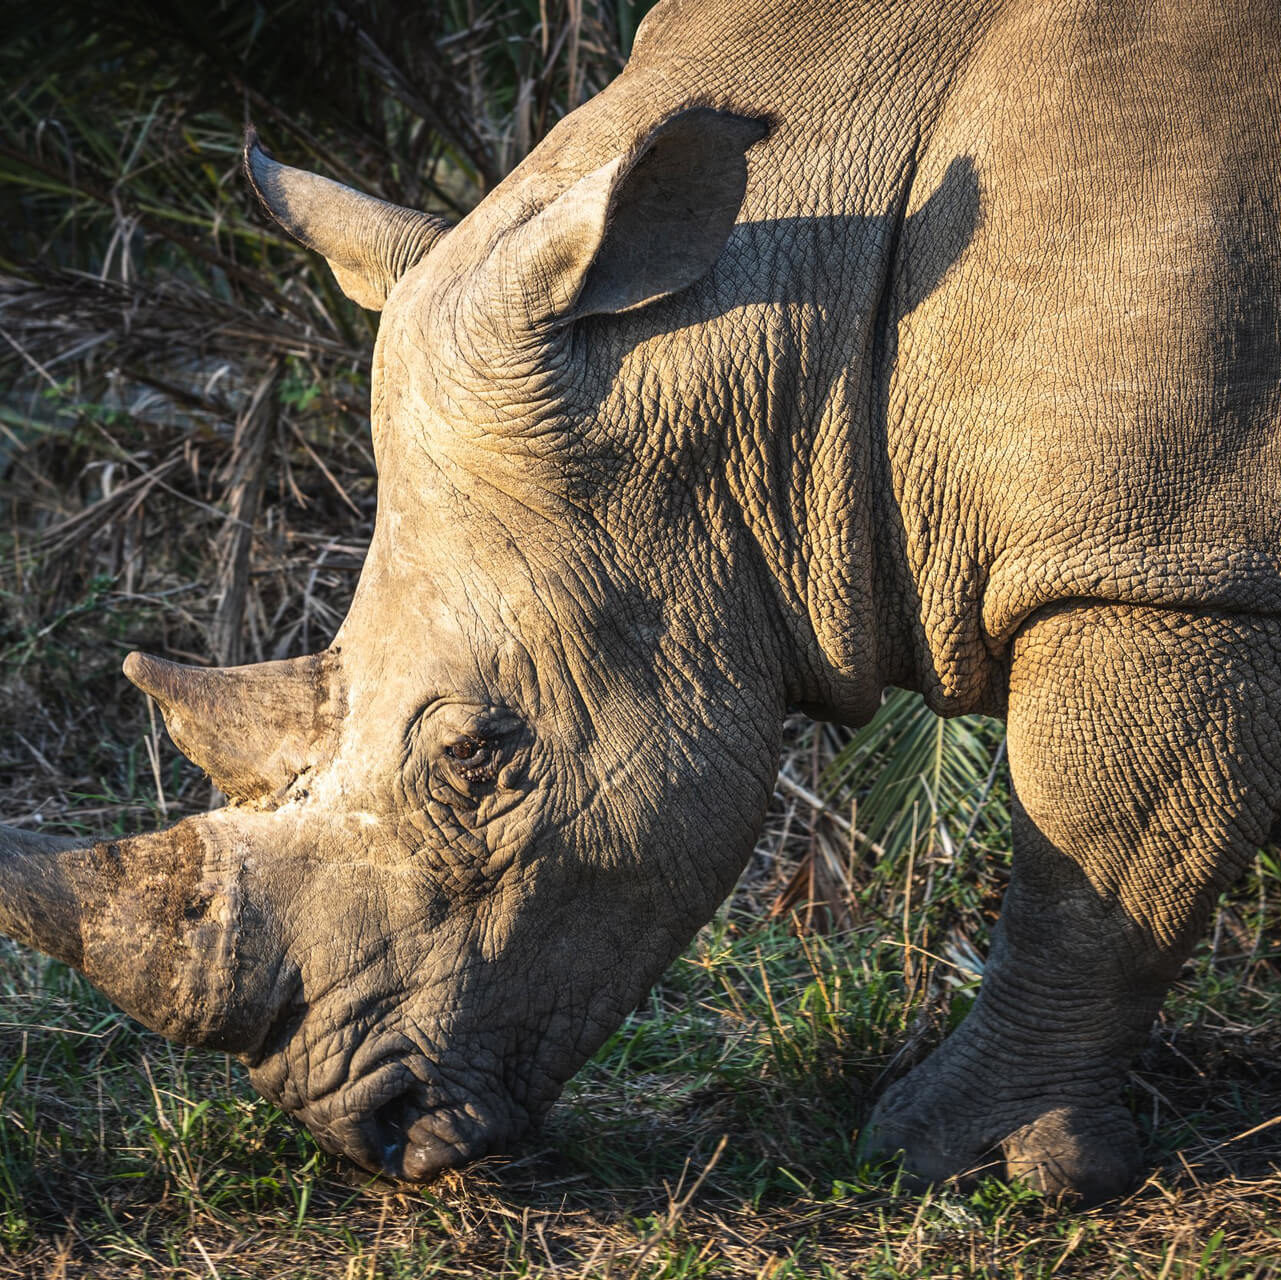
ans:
(1087, 407)
(849, 88)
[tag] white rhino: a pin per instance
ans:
(836, 345)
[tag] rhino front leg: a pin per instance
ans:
(1144, 748)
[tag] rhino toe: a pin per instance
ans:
(1086, 1156)
(927, 1146)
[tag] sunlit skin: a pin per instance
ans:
(834, 346)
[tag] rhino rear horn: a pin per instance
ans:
(252, 729)
(368, 242)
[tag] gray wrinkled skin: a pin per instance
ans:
(833, 346)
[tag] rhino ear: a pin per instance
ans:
(368, 243)
(643, 226)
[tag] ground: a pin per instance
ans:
(712, 1136)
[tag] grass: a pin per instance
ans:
(712, 1136)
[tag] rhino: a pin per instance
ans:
(834, 346)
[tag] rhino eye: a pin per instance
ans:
(474, 759)
(468, 755)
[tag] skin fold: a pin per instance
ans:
(834, 346)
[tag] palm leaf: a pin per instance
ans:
(915, 781)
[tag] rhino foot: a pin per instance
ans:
(1088, 1155)
(1085, 1153)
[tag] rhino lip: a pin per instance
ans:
(419, 1141)
(434, 1144)
(422, 1160)
(409, 1134)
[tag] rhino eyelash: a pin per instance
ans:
(473, 759)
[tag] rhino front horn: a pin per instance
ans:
(163, 924)
(252, 729)
(368, 243)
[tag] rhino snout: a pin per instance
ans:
(407, 1136)
(392, 1121)
(422, 1142)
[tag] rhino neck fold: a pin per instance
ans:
(767, 426)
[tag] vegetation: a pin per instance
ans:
(185, 467)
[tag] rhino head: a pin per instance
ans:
(463, 841)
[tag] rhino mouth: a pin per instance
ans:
(419, 1141)
(396, 1115)
(405, 1129)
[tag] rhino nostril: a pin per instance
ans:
(391, 1123)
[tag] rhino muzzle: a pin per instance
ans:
(399, 1131)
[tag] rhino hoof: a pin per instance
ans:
(1084, 1156)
